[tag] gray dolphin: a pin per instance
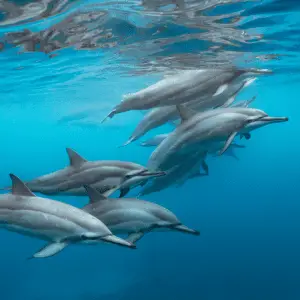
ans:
(184, 167)
(58, 223)
(156, 140)
(106, 176)
(196, 131)
(161, 115)
(182, 88)
(132, 216)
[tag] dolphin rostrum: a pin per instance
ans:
(133, 217)
(182, 88)
(58, 223)
(105, 175)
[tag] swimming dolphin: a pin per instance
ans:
(196, 131)
(132, 216)
(182, 88)
(58, 223)
(106, 176)
(184, 167)
(161, 115)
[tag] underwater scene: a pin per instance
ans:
(150, 149)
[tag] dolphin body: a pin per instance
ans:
(212, 126)
(182, 88)
(196, 131)
(58, 223)
(161, 115)
(107, 176)
(132, 216)
(185, 167)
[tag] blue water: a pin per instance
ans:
(247, 210)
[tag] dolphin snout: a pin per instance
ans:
(274, 119)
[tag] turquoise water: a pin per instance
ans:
(53, 98)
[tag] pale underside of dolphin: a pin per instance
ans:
(133, 217)
(58, 223)
(106, 176)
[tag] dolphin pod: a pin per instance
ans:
(105, 175)
(58, 223)
(182, 88)
(210, 120)
(159, 116)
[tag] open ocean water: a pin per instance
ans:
(65, 64)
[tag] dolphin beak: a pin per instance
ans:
(185, 229)
(118, 241)
(274, 119)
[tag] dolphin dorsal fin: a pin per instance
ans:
(19, 187)
(76, 160)
(185, 113)
(94, 195)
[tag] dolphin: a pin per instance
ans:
(182, 88)
(133, 217)
(161, 115)
(184, 167)
(106, 176)
(198, 132)
(58, 223)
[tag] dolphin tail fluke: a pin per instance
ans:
(109, 116)
(185, 229)
(50, 250)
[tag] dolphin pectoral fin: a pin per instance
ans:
(228, 102)
(50, 250)
(185, 229)
(134, 237)
(220, 89)
(76, 160)
(204, 166)
(228, 142)
(185, 113)
(19, 187)
(124, 192)
(247, 136)
(118, 241)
